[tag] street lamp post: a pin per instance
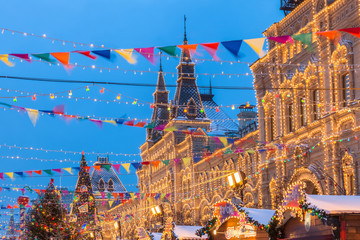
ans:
(237, 181)
(156, 211)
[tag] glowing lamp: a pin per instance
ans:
(102, 90)
(52, 96)
(118, 97)
(15, 99)
(217, 110)
(232, 107)
(231, 181)
(34, 97)
(237, 177)
(116, 225)
(153, 211)
(158, 210)
(70, 93)
(87, 88)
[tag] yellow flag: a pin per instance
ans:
(68, 170)
(33, 115)
(110, 121)
(126, 166)
(224, 141)
(10, 174)
(257, 45)
(170, 129)
(127, 54)
(132, 195)
(111, 203)
(186, 161)
(5, 59)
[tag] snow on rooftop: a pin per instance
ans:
(263, 216)
(335, 204)
(187, 232)
(157, 236)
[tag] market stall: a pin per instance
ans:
(231, 221)
(178, 232)
(319, 217)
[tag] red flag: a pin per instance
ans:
(86, 53)
(59, 109)
(129, 123)
(334, 36)
(98, 123)
(211, 48)
(62, 57)
(121, 195)
(115, 195)
(37, 191)
(97, 167)
(9, 206)
(29, 173)
(155, 163)
(38, 172)
(145, 163)
(87, 168)
(191, 48)
(16, 206)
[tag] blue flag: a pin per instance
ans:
(233, 46)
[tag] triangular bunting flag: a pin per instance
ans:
(224, 141)
(155, 163)
(59, 109)
(140, 124)
(113, 122)
(9, 206)
(28, 173)
(186, 161)
(98, 123)
(171, 50)
(190, 47)
(166, 162)
(33, 115)
(22, 56)
(334, 36)
(38, 172)
(117, 167)
(353, 31)
(98, 167)
(48, 171)
(21, 174)
(129, 123)
(107, 167)
(58, 170)
(145, 163)
(87, 168)
(68, 170)
(2, 176)
(86, 53)
(126, 166)
(137, 166)
(10, 174)
(211, 48)
(257, 44)
(111, 203)
(304, 38)
(170, 129)
(115, 195)
(282, 39)
(5, 59)
(44, 56)
(16, 206)
(103, 53)
(147, 53)
(150, 125)
(176, 161)
(127, 55)
(233, 46)
(37, 191)
(76, 168)
(62, 57)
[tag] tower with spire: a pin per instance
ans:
(187, 101)
(160, 111)
(11, 232)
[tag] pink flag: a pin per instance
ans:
(58, 170)
(29, 173)
(160, 127)
(117, 167)
(98, 123)
(177, 160)
(147, 53)
(102, 195)
(59, 109)
(129, 123)
(2, 176)
(211, 48)
(282, 39)
(22, 56)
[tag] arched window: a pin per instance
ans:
(101, 185)
(289, 114)
(110, 185)
(302, 112)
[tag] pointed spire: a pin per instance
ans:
(160, 62)
(161, 81)
(185, 38)
(210, 87)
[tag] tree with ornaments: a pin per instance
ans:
(47, 219)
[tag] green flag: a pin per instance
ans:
(48, 171)
(44, 56)
(150, 125)
(166, 162)
(107, 167)
(108, 195)
(171, 50)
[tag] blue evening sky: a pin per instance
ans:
(115, 24)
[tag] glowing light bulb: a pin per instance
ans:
(118, 97)
(87, 88)
(52, 96)
(201, 110)
(134, 102)
(15, 99)
(232, 107)
(185, 110)
(217, 110)
(288, 95)
(34, 97)
(152, 106)
(70, 93)
(102, 90)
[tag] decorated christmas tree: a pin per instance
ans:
(83, 210)
(46, 219)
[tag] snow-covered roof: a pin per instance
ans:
(263, 216)
(157, 236)
(335, 204)
(187, 232)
